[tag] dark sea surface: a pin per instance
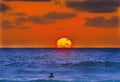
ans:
(68, 65)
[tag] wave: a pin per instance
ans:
(37, 80)
(60, 81)
(82, 63)
(93, 63)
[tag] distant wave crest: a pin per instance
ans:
(93, 63)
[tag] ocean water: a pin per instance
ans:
(67, 65)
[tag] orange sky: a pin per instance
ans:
(41, 29)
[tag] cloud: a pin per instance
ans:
(48, 18)
(18, 14)
(20, 20)
(51, 17)
(6, 24)
(102, 22)
(25, 27)
(4, 7)
(39, 20)
(59, 15)
(30, 0)
(94, 6)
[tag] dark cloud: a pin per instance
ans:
(102, 22)
(18, 14)
(21, 20)
(4, 7)
(30, 0)
(6, 24)
(48, 18)
(25, 27)
(94, 6)
(39, 20)
(59, 15)
(51, 17)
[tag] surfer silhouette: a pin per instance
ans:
(51, 75)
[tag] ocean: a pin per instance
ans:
(67, 65)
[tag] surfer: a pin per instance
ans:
(51, 75)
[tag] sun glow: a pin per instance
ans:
(64, 43)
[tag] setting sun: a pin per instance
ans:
(64, 43)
